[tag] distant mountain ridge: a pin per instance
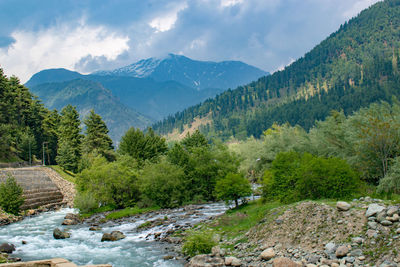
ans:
(193, 73)
(149, 89)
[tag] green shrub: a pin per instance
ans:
(85, 202)
(232, 187)
(391, 182)
(198, 243)
(294, 176)
(11, 197)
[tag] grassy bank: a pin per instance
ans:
(67, 175)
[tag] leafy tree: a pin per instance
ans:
(163, 184)
(390, 184)
(11, 197)
(142, 146)
(233, 187)
(110, 183)
(70, 139)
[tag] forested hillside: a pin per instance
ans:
(353, 67)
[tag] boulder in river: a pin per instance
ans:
(206, 260)
(114, 236)
(58, 234)
(71, 219)
(7, 248)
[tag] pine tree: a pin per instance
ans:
(96, 135)
(70, 139)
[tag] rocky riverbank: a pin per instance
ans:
(364, 232)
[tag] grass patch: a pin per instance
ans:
(238, 221)
(98, 210)
(66, 175)
(127, 212)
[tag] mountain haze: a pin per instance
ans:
(87, 95)
(353, 67)
(148, 90)
(192, 73)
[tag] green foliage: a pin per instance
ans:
(294, 176)
(110, 183)
(127, 212)
(233, 187)
(70, 139)
(203, 165)
(390, 184)
(198, 243)
(96, 135)
(163, 184)
(142, 146)
(85, 202)
(11, 197)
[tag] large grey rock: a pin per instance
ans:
(386, 223)
(343, 206)
(268, 254)
(330, 248)
(58, 234)
(7, 248)
(71, 219)
(342, 251)
(373, 209)
(394, 218)
(114, 236)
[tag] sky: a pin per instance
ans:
(91, 35)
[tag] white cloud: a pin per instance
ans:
(357, 7)
(165, 22)
(59, 46)
(228, 3)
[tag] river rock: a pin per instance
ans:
(284, 262)
(268, 254)
(206, 261)
(232, 261)
(394, 218)
(386, 223)
(94, 228)
(358, 240)
(342, 251)
(392, 210)
(373, 209)
(372, 225)
(58, 234)
(381, 216)
(7, 248)
(114, 236)
(71, 219)
(398, 231)
(343, 206)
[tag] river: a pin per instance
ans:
(85, 247)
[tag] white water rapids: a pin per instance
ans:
(85, 247)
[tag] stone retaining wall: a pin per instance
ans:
(39, 188)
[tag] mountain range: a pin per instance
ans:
(357, 65)
(141, 93)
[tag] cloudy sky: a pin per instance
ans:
(90, 35)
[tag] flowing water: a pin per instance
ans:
(85, 247)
